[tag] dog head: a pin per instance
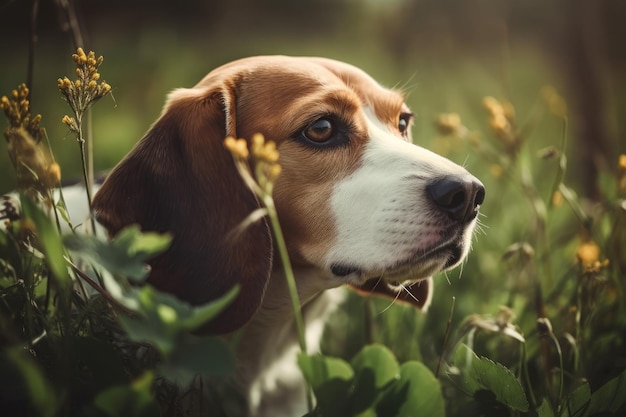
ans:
(356, 199)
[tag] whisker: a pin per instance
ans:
(409, 292)
(461, 268)
(393, 302)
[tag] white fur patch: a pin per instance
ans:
(382, 211)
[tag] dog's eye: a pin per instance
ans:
(319, 131)
(403, 123)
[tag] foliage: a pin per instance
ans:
(81, 331)
(552, 253)
(372, 384)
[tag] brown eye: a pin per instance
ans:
(403, 123)
(319, 131)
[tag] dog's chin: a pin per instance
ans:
(417, 267)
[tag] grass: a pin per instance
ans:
(529, 256)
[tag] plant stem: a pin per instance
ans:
(290, 278)
(526, 377)
(84, 163)
(445, 339)
(561, 371)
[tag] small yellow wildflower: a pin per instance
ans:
(273, 172)
(449, 124)
(84, 91)
(501, 120)
(35, 169)
(52, 176)
(262, 150)
(588, 256)
(493, 106)
(238, 147)
(264, 159)
(557, 199)
(17, 110)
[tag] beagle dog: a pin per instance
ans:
(358, 202)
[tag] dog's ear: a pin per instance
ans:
(418, 294)
(179, 179)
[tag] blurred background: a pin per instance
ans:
(447, 55)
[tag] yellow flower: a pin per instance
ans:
(588, 256)
(84, 91)
(501, 119)
(492, 105)
(238, 147)
(557, 199)
(449, 124)
(52, 176)
(35, 168)
(273, 172)
(588, 253)
(17, 110)
(262, 150)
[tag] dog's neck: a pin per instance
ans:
(268, 346)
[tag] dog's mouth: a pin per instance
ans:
(419, 266)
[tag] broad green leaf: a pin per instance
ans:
(578, 401)
(193, 356)
(610, 397)
(545, 409)
(331, 380)
(318, 369)
(129, 400)
(417, 393)
(380, 360)
(50, 240)
(162, 316)
(483, 374)
(126, 255)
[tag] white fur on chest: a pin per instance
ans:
(268, 349)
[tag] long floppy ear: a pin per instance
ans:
(181, 180)
(419, 294)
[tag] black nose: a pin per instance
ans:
(458, 197)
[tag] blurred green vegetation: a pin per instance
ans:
(447, 55)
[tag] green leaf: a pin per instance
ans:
(331, 381)
(610, 397)
(126, 255)
(417, 393)
(578, 401)
(129, 400)
(484, 374)
(545, 409)
(318, 369)
(162, 316)
(375, 367)
(380, 360)
(50, 241)
(193, 356)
